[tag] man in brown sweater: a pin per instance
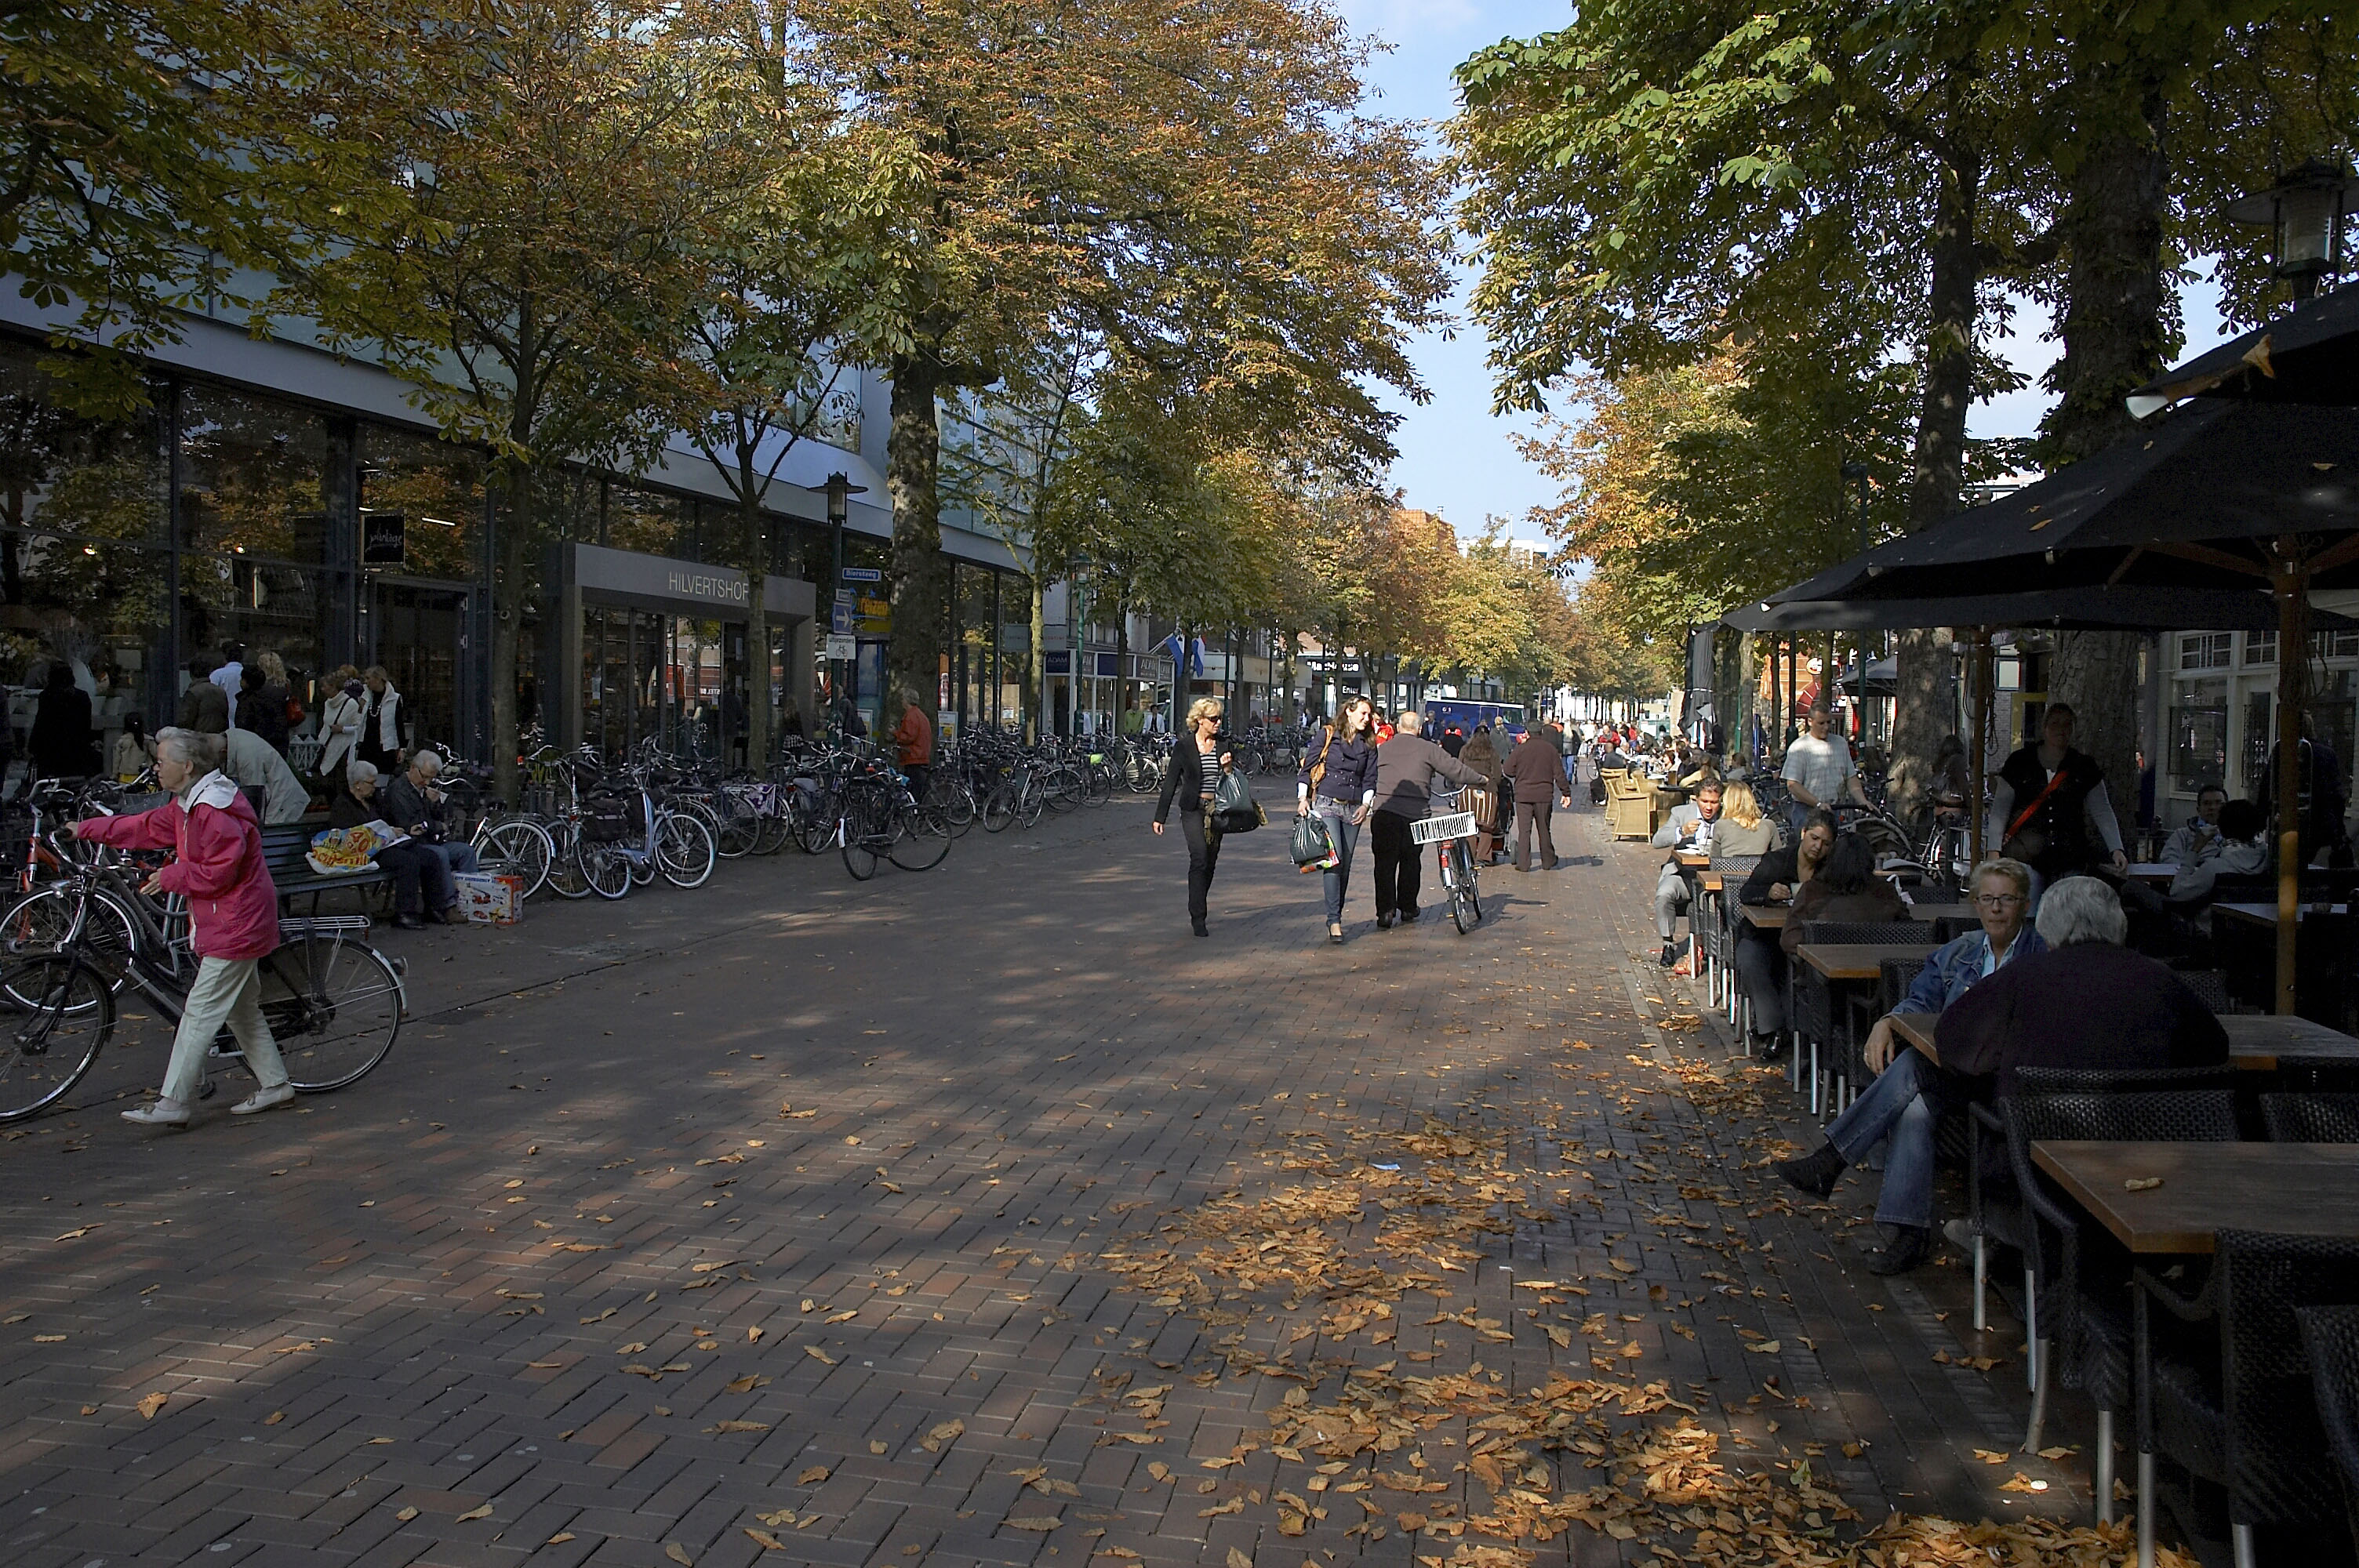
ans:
(1536, 770)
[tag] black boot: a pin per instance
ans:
(1815, 1172)
(1908, 1246)
(1670, 955)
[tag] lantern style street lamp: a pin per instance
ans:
(2304, 211)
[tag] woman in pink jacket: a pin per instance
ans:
(232, 917)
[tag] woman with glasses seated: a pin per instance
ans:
(1909, 1093)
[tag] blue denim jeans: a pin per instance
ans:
(1899, 1108)
(1347, 836)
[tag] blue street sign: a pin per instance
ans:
(863, 574)
(839, 617)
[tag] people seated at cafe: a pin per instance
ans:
(1687, 829)
(2237, 846)
(2192, 838)
(1744, 830)
(420, 879)
(1909, 1094)
(2089, 1002)
(1760, 962)
(1846, 889)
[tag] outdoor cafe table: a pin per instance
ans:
(2266, 913)
(2313, 1188)
(1694, 861)
(1765, 916)
(2255, 1041)
(1856, 961)
(2152, 872)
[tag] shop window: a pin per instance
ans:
(436, 489)
(2199, 737)
(650, 521)
(254, 476)
(2260, 647)
(2204, 651)
(2334, 644)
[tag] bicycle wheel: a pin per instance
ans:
(684, 849)
(773, 833)
(999, 809)
(519, 846)
(1063, 788)
(334, 1006)
(39, 922)
(565, 877)
(1465, 908)
(50, 1041)
(604, 868)
(816, 831)
(1031, 801)
(924, 838)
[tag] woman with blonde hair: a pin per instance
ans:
(1190, 777)
(340, 712)
(1339, 782)
(1742, 829)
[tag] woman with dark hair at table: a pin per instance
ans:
(1760, 962)
(1846, 889)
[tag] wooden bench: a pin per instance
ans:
(284, 852)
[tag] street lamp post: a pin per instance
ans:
(2304, 212)
(839, 490)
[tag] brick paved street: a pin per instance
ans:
(984, 1216)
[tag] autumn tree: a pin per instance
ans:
(1197, 184)
(156, 157)
(531, 287)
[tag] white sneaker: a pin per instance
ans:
(263, 1100)
(163, 1113)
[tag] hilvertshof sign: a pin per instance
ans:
(708, 586)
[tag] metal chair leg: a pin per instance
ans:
(2146, 1509)
(1981, 1280)
(2105, 1466)
(2241, 1538)
(2031, 1327)
(2044, 1353)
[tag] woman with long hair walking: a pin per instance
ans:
(1339, 782)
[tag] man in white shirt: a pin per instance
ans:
(1687, 831)
(1818, 770)
(255, 761)
(231, 676)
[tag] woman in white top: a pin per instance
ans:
(340, 719)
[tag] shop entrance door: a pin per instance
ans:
(418, 631)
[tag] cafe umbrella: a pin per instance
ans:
(2310, 354)
(2215, 491)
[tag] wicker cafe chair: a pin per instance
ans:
(2311, 1118)
(1834, 1054)
(1715, 936)
(2073, 1272)
(2332, 1337)
(2231, 1398)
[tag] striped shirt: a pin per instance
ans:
(1211, 763)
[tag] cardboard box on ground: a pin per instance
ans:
(489, 898)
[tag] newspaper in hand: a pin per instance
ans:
(341, 850)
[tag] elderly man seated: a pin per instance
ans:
(1688, 830)
(2235, 848)
(1909, 1093)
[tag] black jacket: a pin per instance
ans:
(1187, 763)
(2089, 1005)
(1779, 865)
(62, 744)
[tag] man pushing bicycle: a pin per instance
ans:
(210, 826)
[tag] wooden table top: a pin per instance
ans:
(1765, 916)
(2308, 1188)
(2266, 913)
(1858, 960)
(2152, 872)
(1695, 860)
(2255, 1041)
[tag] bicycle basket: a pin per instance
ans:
(609, 819)
(1457, 824)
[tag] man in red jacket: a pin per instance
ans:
(232, 917)
(1536, 770)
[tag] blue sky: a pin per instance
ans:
(1455, 459)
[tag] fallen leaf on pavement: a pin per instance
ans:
(739, 1426)
(559, 1539)
(747, 1384)
(948, 1432)
(816, 1354)
(1042, 1522)
(484, 1511)
(812, 1476)
(405, 1515)
(149, 1404)
(94, 1224)
(764, 1539)
(679, 1554)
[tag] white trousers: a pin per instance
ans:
(227, 990)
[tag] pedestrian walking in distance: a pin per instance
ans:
(1407, 767)
(217, 866)
(1339, 782)
(1536, 770)
(1189, 777)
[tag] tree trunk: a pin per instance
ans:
(513, 549)
(754, 540)
(1121, 663)
(913, 454)
(1936, 474)
(2116, 334)
(1035, 686)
